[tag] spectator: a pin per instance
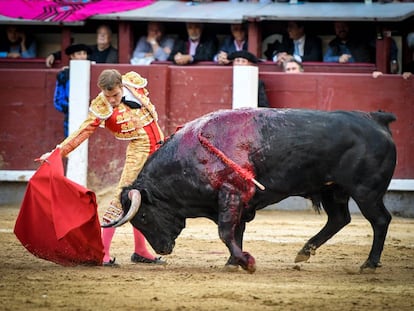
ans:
(61, 97)
(408, 68)
(304, 47)
(101, 52)
(346, 48)
(17, 44)
(124, 108)
(237, 41)
(198, 46)
(245, 58)
(394, 66)
(154, 46)
(292, 65)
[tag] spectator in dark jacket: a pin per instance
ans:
(101, 52)
(347, 47)
(305, 47)
(408, 67)
(198, 46)
(237, 41)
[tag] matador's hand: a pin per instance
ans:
(43, 157)
(46, 155)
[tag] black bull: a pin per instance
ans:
(208, 169)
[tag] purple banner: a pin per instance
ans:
(65, 10)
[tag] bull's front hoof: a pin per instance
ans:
(369, 267)
(250, 265)
(247, 262)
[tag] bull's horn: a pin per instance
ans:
(135, 198)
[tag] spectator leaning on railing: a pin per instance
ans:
(101, 52)
(197, 46)
(304, 46)
(237, 41)
(292, 65)
(346, 47)
(154, 46)
(408, 68)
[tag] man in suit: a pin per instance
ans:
(237, 41)
(304, 47)
(198, 46)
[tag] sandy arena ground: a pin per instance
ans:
(194, 278)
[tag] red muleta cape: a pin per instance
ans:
(58, 218)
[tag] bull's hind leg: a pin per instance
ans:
(231, 228)
(379, 218)
(335, 203)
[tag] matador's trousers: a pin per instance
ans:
(137, 153)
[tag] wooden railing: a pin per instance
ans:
(26, 63)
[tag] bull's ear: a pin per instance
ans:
(146, 196)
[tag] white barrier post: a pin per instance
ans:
(245, 86)
(79, 78)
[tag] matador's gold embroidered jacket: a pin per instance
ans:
(123, 121)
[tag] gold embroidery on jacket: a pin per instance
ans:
(100, 107)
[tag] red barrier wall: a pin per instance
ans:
(30, 126)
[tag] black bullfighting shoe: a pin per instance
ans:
(139, 259)
(113, 212)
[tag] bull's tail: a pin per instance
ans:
(316, 202)
(383, 118)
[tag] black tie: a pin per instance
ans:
(130, 103)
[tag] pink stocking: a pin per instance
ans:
(140, 245)
(107, 235)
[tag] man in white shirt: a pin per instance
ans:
(304, 47)
(198, 46)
